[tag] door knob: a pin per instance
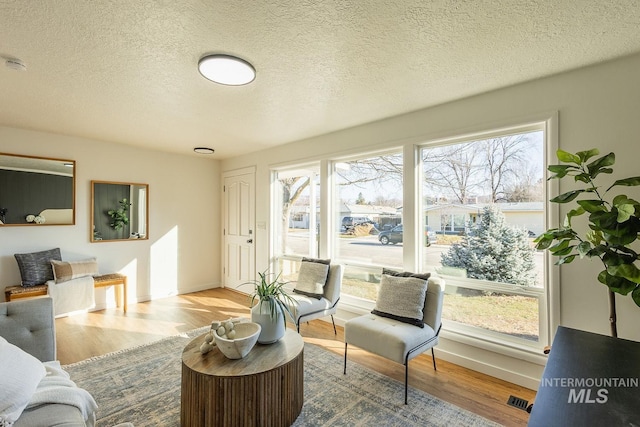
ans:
(250, 241)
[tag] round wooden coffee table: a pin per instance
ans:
(263, 388)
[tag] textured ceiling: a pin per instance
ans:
(126, 71)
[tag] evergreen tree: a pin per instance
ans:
(494, 251)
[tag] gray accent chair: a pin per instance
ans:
(309, 308)
(396, 340)
(29, 324)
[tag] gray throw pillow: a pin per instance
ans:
(401, 297)
(312, 277)
(35, 268)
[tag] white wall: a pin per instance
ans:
(597, 107)
(182, 254)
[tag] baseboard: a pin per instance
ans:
(487, 362)
(488, 369)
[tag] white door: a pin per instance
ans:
(239, 230)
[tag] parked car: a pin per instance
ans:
(394, 235)
(352, 221)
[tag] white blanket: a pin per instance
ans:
(57, 387)
(74, 295)
(20, 374)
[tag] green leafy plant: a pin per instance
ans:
(270, 290)
(614, 224)
(119, 216)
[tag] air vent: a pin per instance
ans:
(518, 402)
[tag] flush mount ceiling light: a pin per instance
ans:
(226, 70)
(204, 150)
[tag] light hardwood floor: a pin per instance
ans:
(86, 335)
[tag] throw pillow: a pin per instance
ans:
(20, 374)
(401, 297)
(312, 277)
(63, 271)
(35, 268)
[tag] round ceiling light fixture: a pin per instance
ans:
(226, 70)
(204, 150)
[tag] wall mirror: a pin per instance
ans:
(119, 211)
(36, 191)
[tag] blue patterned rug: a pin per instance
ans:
(141, 385)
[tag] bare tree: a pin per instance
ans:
(528, 188)
(453, 169)
(373, 170)
(292, 189)
(504, 158)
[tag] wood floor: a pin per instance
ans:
(86, 335)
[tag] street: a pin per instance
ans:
(368, 250)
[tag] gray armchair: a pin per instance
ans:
(396, 340)
(309, 308)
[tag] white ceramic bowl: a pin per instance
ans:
(246, 337)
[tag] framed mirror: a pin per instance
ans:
(119, 211)
(36, 191)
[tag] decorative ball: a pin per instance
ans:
(206, 347)
(221, 331)
(228, 326)
(231, 334)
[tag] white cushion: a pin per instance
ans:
(20, 374)
(387, 337)
(312, 277)
(401, 297)
(63, 271)
(306, 305)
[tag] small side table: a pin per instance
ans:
(114, 279)
(264, 388)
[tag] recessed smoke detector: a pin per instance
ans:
(15, 64)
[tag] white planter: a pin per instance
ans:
(272, 329)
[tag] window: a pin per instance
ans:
(485, 199)
(296, 216)
(296, 221)
(479, 203)
(368, 211)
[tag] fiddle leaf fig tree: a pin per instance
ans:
(613, 220)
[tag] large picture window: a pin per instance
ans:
(478, 203)
(484, 199)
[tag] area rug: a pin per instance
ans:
(141, 385)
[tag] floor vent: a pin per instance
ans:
(518, 402)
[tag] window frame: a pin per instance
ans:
(548, 300)
(549, 311)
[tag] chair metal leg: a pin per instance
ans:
(406, 381)
(345, 359)
(298, 326)
(334, 326)
(433, 355)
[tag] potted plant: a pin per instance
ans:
(613, 221)
(273, 303)
(119, 216)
